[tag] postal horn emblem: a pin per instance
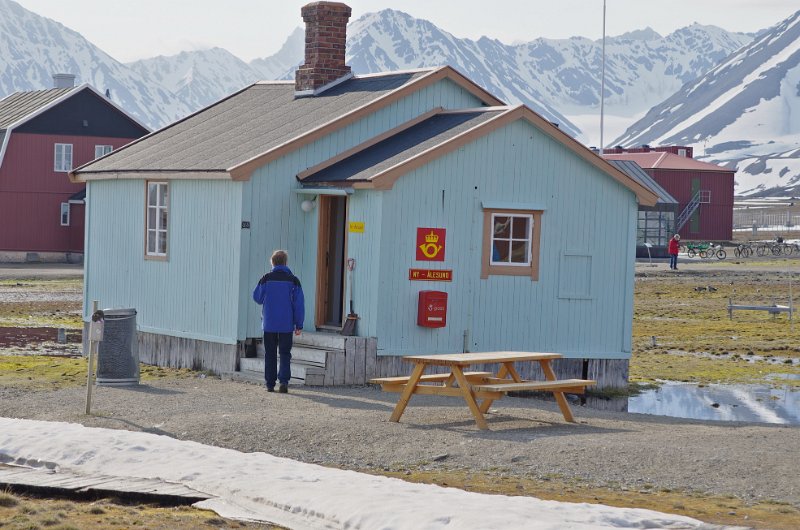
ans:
(430, 248)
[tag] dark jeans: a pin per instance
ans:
(274, 343)
(673, 261)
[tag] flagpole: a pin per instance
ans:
(603, 80)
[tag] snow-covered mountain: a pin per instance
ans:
(198, 78)
(557, 78)
(744, 113)
(33, 48)
(642, 68)
(286, 60)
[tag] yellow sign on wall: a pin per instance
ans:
(357, 227)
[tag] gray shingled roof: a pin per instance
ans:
(244, 125)
(633, 170)
(406, 144)
(21, 104)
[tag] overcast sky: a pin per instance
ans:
(137, 29)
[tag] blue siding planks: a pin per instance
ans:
(587, 214)
(278, 222)
(193, 293)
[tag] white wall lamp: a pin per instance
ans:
(308, 205)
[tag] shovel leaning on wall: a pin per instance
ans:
(349, 328)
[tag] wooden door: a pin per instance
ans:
(330, 300)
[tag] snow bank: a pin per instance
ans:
(261, 487)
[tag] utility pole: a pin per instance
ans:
(603, 80)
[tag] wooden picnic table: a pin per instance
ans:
(474, 386)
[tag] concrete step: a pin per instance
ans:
(324, 341)
(254, 368)
(300, 355)
(305, 349)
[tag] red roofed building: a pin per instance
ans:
(44, 134)
(704, 191)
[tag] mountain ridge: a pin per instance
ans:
(744, 114)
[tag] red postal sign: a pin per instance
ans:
(427, 275)
(430, 244)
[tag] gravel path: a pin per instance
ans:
(349, 427)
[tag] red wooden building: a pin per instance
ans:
(44, 134)
(704, 191)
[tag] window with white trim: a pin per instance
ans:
(102, 150)
(64, 214)
(63, 158)
(511, 243)
(157, 217)
(511, 239)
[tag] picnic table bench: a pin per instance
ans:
(473, 386)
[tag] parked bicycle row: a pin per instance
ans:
(766, 248)
(779, 247)
(704, 250)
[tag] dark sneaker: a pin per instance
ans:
(283, 389)
(270, 389)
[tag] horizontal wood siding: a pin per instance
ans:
(278, 222)
(192, 294)
(587, 214)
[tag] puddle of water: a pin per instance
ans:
(753, 403)
(22, 337)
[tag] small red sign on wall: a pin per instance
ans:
(430, 244)
(430, 275)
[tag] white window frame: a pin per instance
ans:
(62, 158)
(160, 209)
(102, 150)
(65, 214)
(489, 267)
(528, 239)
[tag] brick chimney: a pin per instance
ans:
(326, 33)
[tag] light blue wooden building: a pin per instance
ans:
(534, 234)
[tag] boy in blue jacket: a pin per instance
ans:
(282, 312)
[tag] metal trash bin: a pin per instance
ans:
(118, 353)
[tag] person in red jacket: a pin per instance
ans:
(674, 246)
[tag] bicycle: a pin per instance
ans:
(693, 249)
(714, 251)
(743, 250)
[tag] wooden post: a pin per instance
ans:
(90, 367)
(791, 307)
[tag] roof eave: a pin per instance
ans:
(157, 174)
(385, 179)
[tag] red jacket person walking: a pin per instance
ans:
(673, 248)
(282, 312)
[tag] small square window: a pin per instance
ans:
(511, 243)
(102, 150)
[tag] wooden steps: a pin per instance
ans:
(315, 356)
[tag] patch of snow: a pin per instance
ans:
(265, 488)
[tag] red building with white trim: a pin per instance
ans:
(704, 191)
(44, 134)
